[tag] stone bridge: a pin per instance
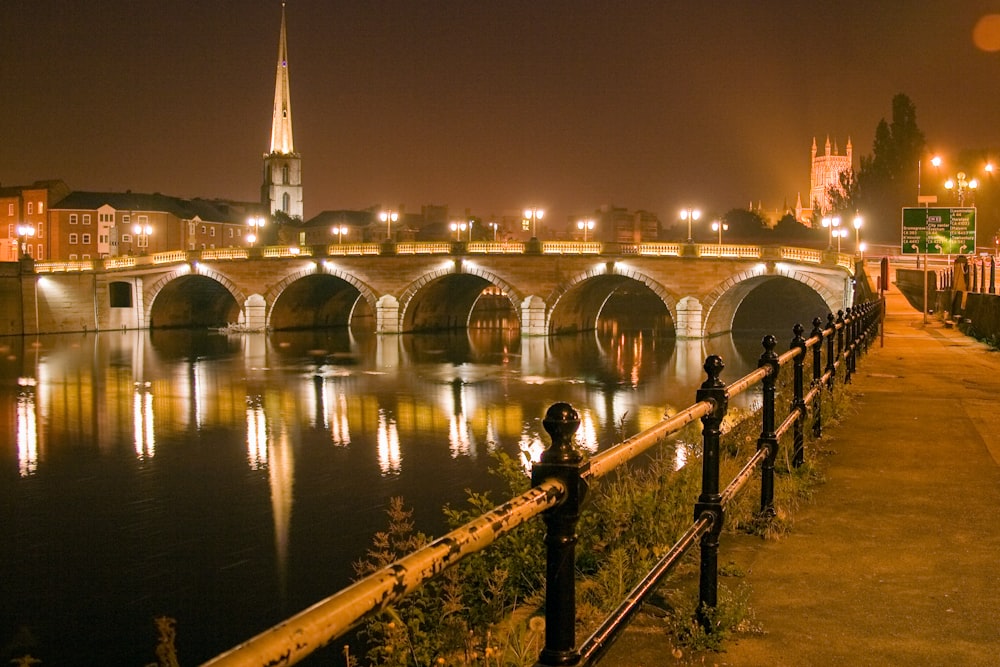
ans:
(541, 287)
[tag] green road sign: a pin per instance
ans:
(939, 231)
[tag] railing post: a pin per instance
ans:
(768, 439)
(817, 332)
(798, 394)
(993, 275)
(710, 500)
(831, 357)
(562, 461)
(851, 343)
(841, 325)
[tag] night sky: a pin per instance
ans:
(485, 105)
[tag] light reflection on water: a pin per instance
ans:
(231, 481)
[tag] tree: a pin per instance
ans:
(886, 179)
(744, 225)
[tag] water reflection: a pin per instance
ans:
(254, 469)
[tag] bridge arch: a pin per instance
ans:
(320, 298)
(193, 299)
(446, 298)
(724, 300)
(577, 304)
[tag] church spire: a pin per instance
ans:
(281, 122)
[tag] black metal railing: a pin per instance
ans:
(560, 481)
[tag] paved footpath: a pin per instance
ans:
(896, 559)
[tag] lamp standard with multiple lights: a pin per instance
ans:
(142, 232)
(858, 223)
(585, 225)
(388, 217)
(720, 227)
(534, 215)
(690, 214)
(832, 224)
(457, 228)
(494, 226)
(339, 231)
(24, 232)
(962, 186)
(255, 222)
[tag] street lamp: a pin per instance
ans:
(534, 215)
(494, 226)
(690, 214)
(840, 234)
(388, 217)
(340, 232)
(458, 228)
(936, 161)
(961, 186)
(255, 222)
(24, 232)
(720, 227)
(143, 232)
(585, 225)
(832, 224)
(858, 222)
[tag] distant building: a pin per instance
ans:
(619, 225)
(93, 225)
(826, 171)
(281, 191)
(28, 205)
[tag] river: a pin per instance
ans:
(229, 481)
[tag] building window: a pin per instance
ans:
(211, 231)
(126, 238)
(86, 218)
(41, 253)
(73, 218)
(38, 232)
(284, 174)
(203, 229)
(285, 202)
(31, 208)
(73, 257)
(85, 239)
(230, 232)
(41, 208)
(73, 239)
(105, 217)
(192, 230)
(126, 219)
(10, 210)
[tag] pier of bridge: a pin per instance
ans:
(541, 288)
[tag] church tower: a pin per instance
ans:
(281, 191)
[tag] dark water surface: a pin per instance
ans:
(231, 481)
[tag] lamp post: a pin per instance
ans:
(457, 228)
(690, 214)
(720, 227)
(494, 226)
(832, 224)
(24, 232)
(585, 225)
(255, 222)
(388, 217)
(961, 185)
(936, 161)
(858, 222)
(339, 231)
(840, 234)
(142, 232)
(534, 215)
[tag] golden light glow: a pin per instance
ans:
(389, 457)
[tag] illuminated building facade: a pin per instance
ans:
(28, 206)
(826, 171)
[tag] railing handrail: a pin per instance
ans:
(293, 639)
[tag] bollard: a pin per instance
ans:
(710, 500)
(768, 438)
(798, 395)
(817, 332)
(562, 461)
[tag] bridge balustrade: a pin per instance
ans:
(560, 480)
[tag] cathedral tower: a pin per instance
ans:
(282, 187)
